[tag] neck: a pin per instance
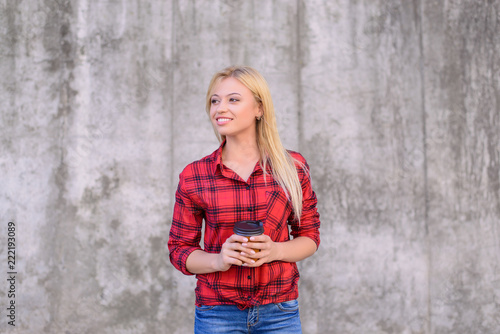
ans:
(241, 150)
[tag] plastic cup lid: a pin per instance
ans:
(248, 227)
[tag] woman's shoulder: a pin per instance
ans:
(300, 163)
(297, 156)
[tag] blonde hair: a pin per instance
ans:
(268, 141)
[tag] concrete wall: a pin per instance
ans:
(395, 104)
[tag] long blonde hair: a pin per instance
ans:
(268, 141)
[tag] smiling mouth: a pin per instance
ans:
(223, 120)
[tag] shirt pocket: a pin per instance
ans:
(278, 210)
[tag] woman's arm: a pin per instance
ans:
(295, 250)
(201, 262)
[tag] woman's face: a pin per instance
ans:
(234, 110)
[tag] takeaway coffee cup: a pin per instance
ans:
(249, 228)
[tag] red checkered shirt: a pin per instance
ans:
(210, 191)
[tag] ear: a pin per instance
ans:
(260, 113)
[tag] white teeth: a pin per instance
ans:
(223, 119)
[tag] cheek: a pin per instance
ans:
(212, 112)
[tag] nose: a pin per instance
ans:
(222, 107)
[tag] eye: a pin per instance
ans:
(233, 99)
(214, 101)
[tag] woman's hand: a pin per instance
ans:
(234, 252)
(269, 250)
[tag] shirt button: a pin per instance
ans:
(250, 209)
(248, 187)
(249, 297)
(249, 277)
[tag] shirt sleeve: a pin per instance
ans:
(185, 232)
(309, 220)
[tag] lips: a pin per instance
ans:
(222, 120)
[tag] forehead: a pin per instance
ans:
(230, 85)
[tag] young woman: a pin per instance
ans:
(245, 285)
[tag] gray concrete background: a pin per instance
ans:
(395, 104)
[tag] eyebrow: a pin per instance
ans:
(227, 94)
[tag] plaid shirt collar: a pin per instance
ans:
(218, 164)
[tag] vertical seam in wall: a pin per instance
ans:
(425, 170)
(299, 80)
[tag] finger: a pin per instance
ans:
(258, 246)
(227, 261)
(244, 248)
(234, 261)
(237, 238)
(256, 263)
(238, 258)
(244, 251)
(242, 261)
(260, 238)
(234, 247)
(247, 256)
(245, 260)
(264, 256)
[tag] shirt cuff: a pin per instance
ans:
(182, 259)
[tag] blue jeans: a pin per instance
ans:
(271, 318)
